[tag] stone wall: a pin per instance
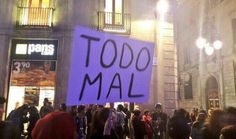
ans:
(220, 65)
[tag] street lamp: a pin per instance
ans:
(162, 6)
(202, 43)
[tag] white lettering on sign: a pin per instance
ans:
(44, 49)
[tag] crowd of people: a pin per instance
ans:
(99, 122)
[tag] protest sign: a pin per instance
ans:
(108, 68)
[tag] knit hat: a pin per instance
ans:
(55, 125)
(158, 105)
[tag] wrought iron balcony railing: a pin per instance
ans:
(114, 22)
(34, 17)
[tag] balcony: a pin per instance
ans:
(114, 22)
(34, 17)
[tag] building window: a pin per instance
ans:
(35, 13)
(114, 11)
(186, 56)
(234, 66)
(188, 93)
(214, 3)
(234, 30)
(113, 18)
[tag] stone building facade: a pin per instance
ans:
(36, 21)
(206, 81)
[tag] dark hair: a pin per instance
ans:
(231, 115)
(229, 132)
(214, 123)
(203, 111)
(104, 114)
(137, 112)
(231, 110)
(201, 117)
(181, 112)
(2, 100)
(33, 110)
(80, 108)
(100, 106)
(63, 107)
(120, 107)
(146, 111)
(46, 100)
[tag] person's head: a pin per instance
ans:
(137, 113)
(216, 120)
(33, 111)
(201, 117)
(158, 107)
(81, 110)
(126, 105)
(228, 132)
(45, 101)
(2, 100)
(73, 109)
(209, 112)
(55, 125)
(104, 114)
(47, 66)
(181, 112)
(17, 104)
(100, 106)
(203, 111)
(146, 112)
(230, 115)
(194, 111)
(120, 107)
(24, 109)
(62, 107)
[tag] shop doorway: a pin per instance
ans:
(212, 93)
(32, 72)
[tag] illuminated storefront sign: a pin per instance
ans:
(43, 49)
(34, 49)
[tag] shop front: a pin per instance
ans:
(33, 72)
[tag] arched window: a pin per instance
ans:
(212, 94)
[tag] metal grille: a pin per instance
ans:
(114, 22)
(35, 16)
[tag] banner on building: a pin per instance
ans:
(108, 68)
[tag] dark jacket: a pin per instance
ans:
(178, 128)
(9, 131)
(139, 127)
(159, 119)
(196, 132)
